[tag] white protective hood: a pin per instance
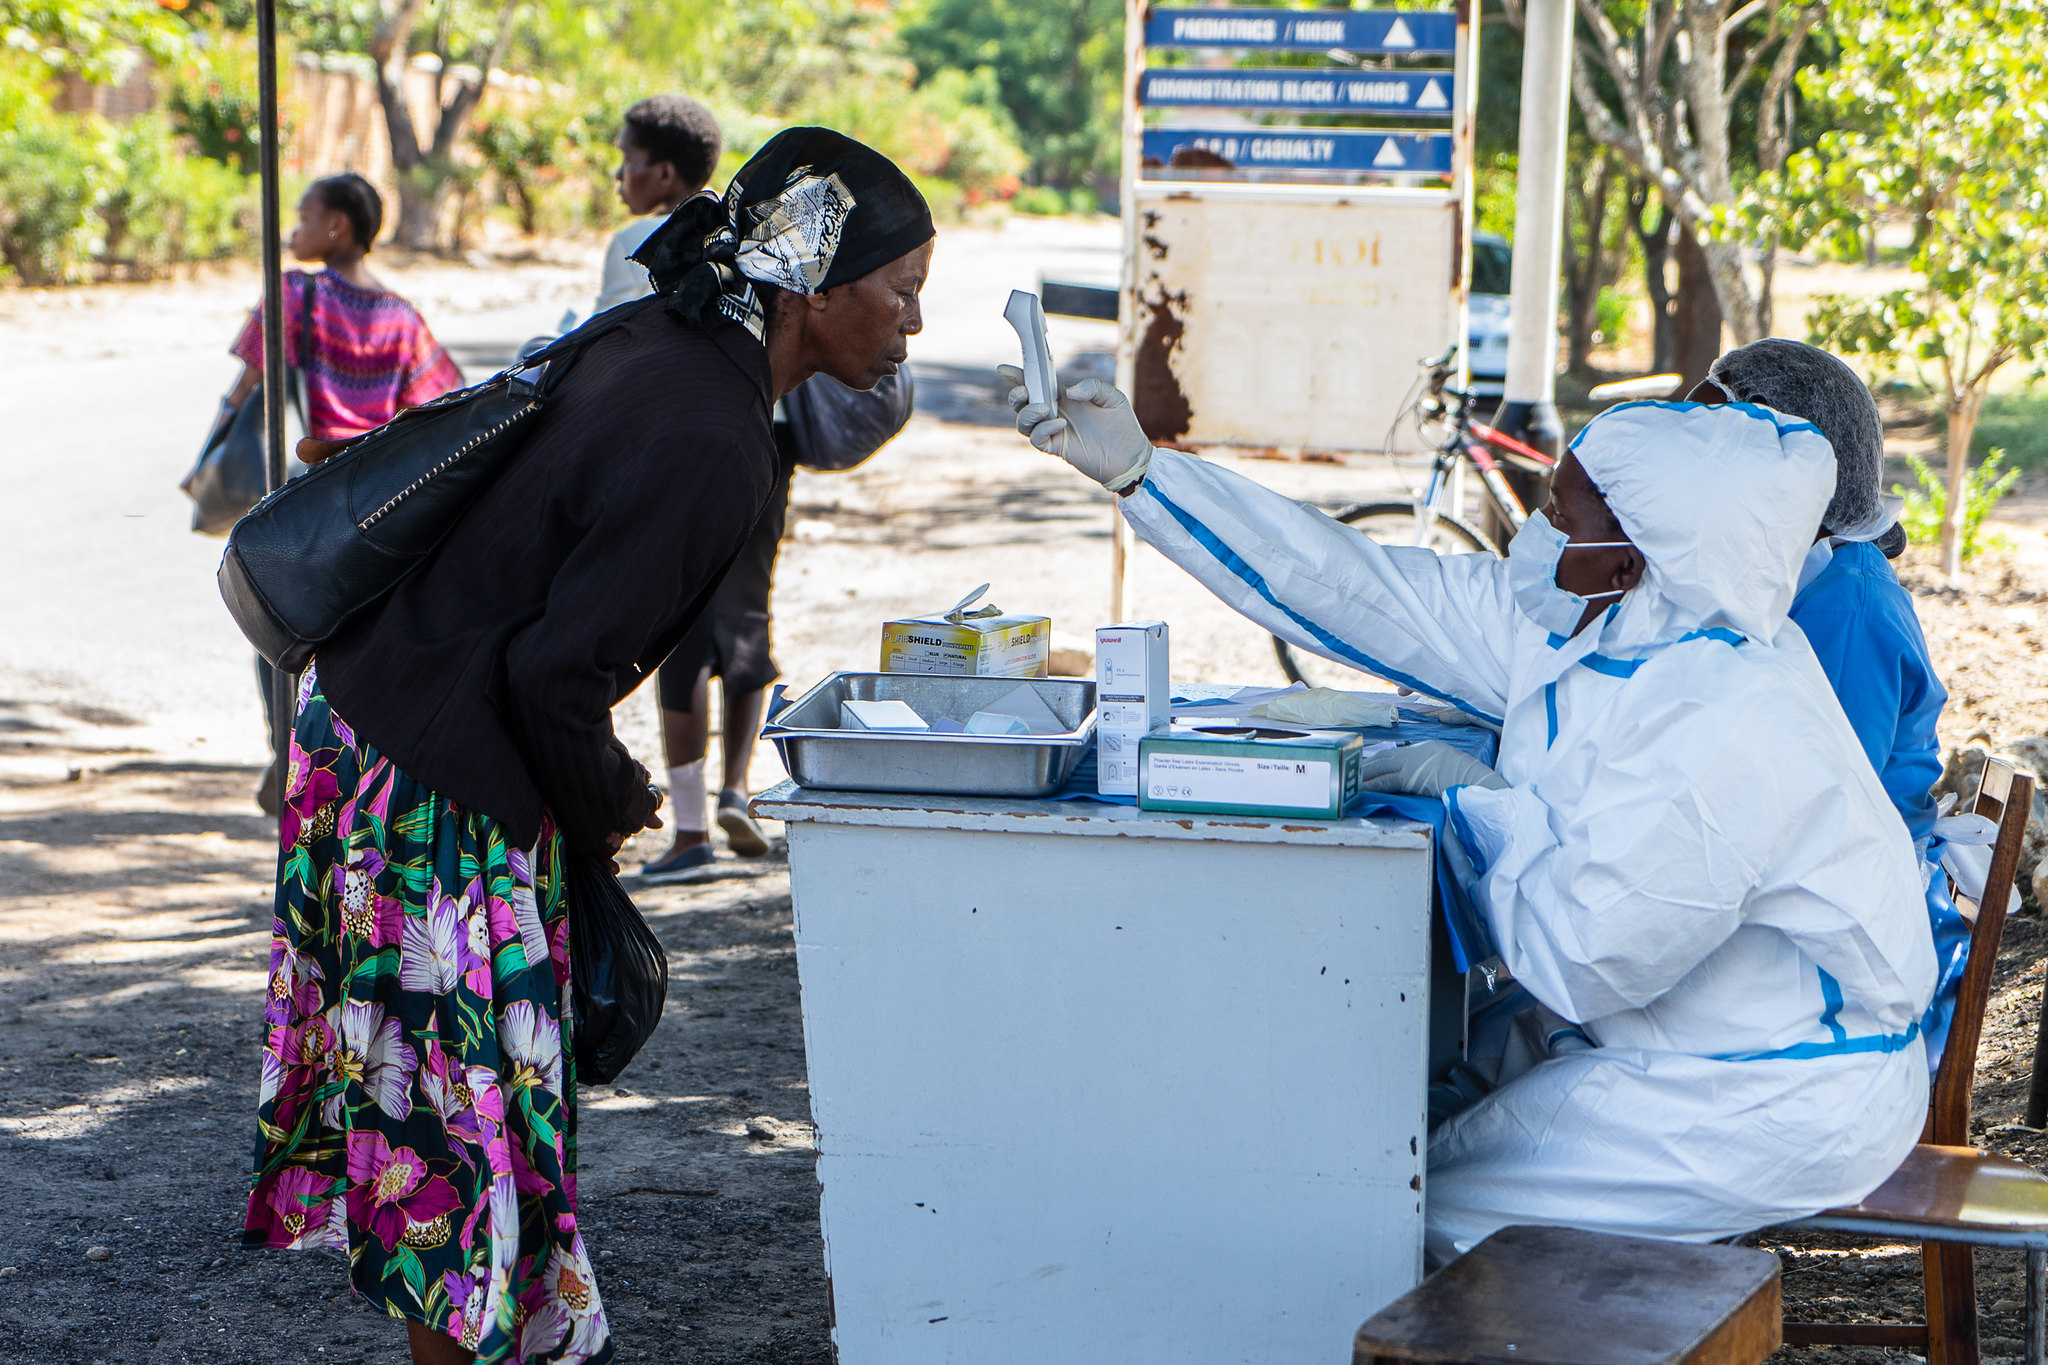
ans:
(1722, 500)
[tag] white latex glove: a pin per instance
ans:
(1430, 768)
(1094, 430)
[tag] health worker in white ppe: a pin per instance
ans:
(1684, 851)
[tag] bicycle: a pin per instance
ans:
(1426, 520)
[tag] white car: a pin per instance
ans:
(1486, 342)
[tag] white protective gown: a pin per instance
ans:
(1694, 861)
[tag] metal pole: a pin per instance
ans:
(1128, 314)
(281, 689)
(1529, 408)
(1464, 112)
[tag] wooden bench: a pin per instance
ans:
(1559, 1296)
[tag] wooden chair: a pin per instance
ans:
(1559, 1296)
(1948, 1195)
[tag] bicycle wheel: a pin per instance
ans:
(1389, 523)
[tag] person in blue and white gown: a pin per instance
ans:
(1684, 852)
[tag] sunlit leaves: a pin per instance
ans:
(99, 39)
(1940, 126)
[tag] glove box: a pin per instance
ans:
(1251, 769)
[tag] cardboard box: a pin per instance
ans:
(1257, 769)
(1012, 645)
(1133, 697)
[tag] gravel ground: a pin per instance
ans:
(134, 930)
(132, 939)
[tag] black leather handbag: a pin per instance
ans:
(334, 541)
(231, 473)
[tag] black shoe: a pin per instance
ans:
(743, 834)
(681, 861)
(268, 798)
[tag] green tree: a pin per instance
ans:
(426, 169)
(53, 170)
(1941, 115)
(1058, 70)
(98, 39)
(214, 102)
(457, 42)
(1663, 83)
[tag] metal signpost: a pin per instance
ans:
(1280, 281)
(281, 683)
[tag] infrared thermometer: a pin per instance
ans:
(1027, 315)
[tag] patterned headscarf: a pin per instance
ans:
(811, 210)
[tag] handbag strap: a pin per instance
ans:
(571, 343)
(302, 391)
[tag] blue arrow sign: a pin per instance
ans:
(1306, 30)
(1302, 149)
(1303, 91)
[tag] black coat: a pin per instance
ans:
(490, 673)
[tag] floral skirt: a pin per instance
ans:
(418, 1108)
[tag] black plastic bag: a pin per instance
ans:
(230, 476)
(836, 427)
(617, 970)
(233, 471)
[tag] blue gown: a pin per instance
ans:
(1863, 629)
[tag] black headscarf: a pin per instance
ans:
(811, 210)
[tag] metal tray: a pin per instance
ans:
(818, 753)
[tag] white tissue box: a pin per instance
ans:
(1133, 697)
(879, 715)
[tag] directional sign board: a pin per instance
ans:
(1280, 281)
(1418, 34)
(1289, 316)
(1427, 93)
(1305, 149)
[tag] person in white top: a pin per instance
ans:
(668, 151)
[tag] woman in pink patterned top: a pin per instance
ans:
(372, 352)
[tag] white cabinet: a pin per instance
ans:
(1098, 1085)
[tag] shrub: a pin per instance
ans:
(2019, 423)
(959, 151)
(214, 103)
(1040, 199)
(77, 193)
(526, 154)
(1611, 313)
(1925, 509)
(53, 169)
(164, 207)
(980, 151)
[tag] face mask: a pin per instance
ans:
(1532, 573)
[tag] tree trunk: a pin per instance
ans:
(420, 195)
(1696, 313)
(1655, 242)
(1737, 293)
(1585, 271)
(425, 177)
(1962, 426)
(1766, 309)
